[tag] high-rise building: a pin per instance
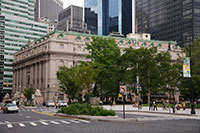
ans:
(71, 19)
(17, 28)
(47, 9)
(176, 20)
(106, 16)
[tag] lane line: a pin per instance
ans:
(64, 122)
(9, 126)
(33, 124)
(75, 121)
(21, 125)
(84, 121)
(44, 123)
(54, 122)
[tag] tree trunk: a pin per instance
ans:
(149, 89)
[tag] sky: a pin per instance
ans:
(73, 2)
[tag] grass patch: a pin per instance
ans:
(85, 109)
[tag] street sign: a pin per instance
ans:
(186, 67)
(123, 89)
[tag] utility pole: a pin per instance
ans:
(191, 83)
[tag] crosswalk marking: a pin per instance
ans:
(44, 123)
(33, 124)
(65, 122)
(74, 121)
(84, 121)
(9, 126)
(54, 122)
(21, 125)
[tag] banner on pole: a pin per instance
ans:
(186, 67)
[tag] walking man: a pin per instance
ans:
(155, 106)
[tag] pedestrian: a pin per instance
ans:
(155, 106)
(140, 105)
(150, 105)
(164, 106)
(183, 104)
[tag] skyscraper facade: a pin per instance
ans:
(169, 20)
(47, 9)
(17, 27)
(71, 19)
(106, 16)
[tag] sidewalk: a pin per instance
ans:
(130, 108)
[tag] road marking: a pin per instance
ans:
(27, 116)
(74, 121)
(44, 123)
(33, 124)
(1, 122)
(65, 122)
(84, 121)
(21, 125)
(28, 110)
(54, 122)
(9, 126)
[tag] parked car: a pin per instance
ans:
(1, 106)
(50, 104)
(10, 107)
(61, 104)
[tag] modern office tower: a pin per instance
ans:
(17, 27)
(169, 20)
(106, 16)
(71, 19)
(47, 9)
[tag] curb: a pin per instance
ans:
(92, 118)
(157, 112)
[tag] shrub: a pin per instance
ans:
(85, 109)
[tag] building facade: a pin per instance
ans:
(106, 16)
(36, 65)
(17, 27)
(47, 9)
(71, 19)
(169, 20)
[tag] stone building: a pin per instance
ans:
(36, 65)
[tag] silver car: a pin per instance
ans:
(10, 107)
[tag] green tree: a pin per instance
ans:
(105, 54)
(28, 93)
(87, 74)
(69, 82)
(185, 87)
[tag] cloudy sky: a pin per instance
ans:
(73, 2)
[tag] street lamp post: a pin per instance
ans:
(191, 83)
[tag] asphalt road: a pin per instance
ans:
(27, 121)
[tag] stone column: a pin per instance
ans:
(31, 75)
(24, 78)
(40, 75)
(14, 80)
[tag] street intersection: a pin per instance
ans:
(31, 120)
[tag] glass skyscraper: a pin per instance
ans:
(17, 27)
(176, 20)
(106, 16)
